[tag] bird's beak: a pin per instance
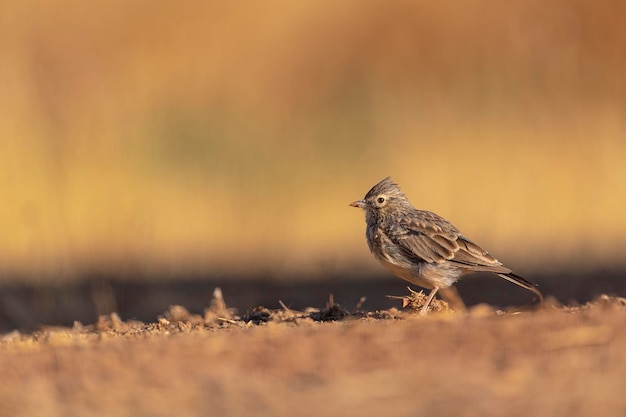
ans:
(358, 203)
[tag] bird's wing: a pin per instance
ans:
(432, 238)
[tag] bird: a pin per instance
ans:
(422, 247)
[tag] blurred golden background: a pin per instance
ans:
(153, 140)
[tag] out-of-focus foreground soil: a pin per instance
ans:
(329, 361)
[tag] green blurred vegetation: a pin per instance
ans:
(146, 138)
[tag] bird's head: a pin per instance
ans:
(382, 198)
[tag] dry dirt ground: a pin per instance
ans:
(559, 360)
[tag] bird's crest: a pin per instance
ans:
(386, 186)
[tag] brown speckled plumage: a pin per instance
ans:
(423, 247)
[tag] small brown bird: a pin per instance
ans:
(422, 247)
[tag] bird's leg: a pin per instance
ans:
(424, 309)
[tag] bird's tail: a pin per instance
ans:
(524, 283)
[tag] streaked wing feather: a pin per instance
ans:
(415, 248)
(434, 239)
(426, 248)
(448, 242)
(474, 258)
(429, 237)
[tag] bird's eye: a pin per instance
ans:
(380, 200)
